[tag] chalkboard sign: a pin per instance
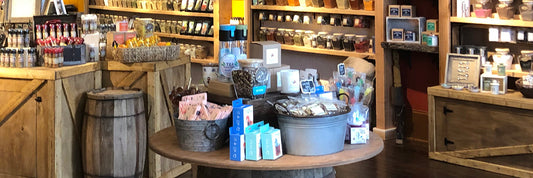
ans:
(341, 69)
(307, 86)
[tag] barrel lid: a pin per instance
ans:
(113, 93)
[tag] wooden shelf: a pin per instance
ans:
(314, 9)
(327, 51)
(410, 47)
(147, 11)
(46, 73)
(187, 37)
(492, 21)
(515, 73)
(204, 61)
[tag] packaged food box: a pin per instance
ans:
(243, 115)
(271, 144)
(236, 145)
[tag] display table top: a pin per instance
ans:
(165, 143)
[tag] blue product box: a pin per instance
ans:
(271, 144)
(359, 134)
(236, 145)
(243, 115)
(252, 136)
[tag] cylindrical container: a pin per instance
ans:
(343, 4)
(318, 3)
(313, 136)
(321, 39)
(298, 38)
(308, 38)
(362, 44)
(495, 87)
(432, 40)
(349, 42)
(112, 115)
(288, 37)
(526, 10)
(209, 72)
(505, 9)
(241, 36)
(356, 4)
(337, 41)
(279, 35)
(251, 81)
(227, 61)
(329, 42)
(271, 34)
(201, 136)
(290, 81)
(369, 5)
(526, 58)
(330, 3)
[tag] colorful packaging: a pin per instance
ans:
(236, 145)
(252, 137)
(271, 144)
(359, 134)
(243, 115)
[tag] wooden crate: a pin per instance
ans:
(156, 80)
(480, 130)
(40, 120)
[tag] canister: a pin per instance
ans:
(288, 37)
(279, 35)
(321, 39)
(337, 41)
(349, 42)
(432, 40)
(227, 61)
(298, 37)
(362, 44)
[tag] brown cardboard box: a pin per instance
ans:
(221, 88)
(273, 85)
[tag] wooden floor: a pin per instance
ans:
(407, 160)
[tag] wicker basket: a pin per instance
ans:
(527, 92)
(147, 54)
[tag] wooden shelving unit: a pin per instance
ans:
(313, 9)
(185, 37)
(410, 47)
(156, 12)
(491, 21)
(327, 51)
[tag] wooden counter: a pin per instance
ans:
(41, 117)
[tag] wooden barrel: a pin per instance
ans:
(114, 134)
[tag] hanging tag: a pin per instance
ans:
(341, 69)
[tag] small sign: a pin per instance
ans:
(341, 69)
(307, 86)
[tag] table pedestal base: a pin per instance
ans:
(206, 172)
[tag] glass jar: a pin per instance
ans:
(279, 35)
(526, 10)
(356, 4)
(330, 3)
(318, 3)
(269, 2)
(343, 4)
(293, 2)
(368, 5)
(282, 2)
(271, 34)
(308, 38)
(298, 37)
(505, 9)
(337, 41)
(362, 44)
(502, 56)
(322, 39)
(251, 80)
(349, 42)
(262, 34)
(329, 42)
(526, 58)
(306, 3)
(288, 36)
(201, 52)
(483, 9)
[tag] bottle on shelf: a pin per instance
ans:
(227, 61)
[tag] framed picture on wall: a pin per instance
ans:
(22, 10)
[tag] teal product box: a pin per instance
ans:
(252, 137)
(236, 145)
(243, 115)
(271, 144)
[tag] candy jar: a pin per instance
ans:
(502, 56)
(526, 10)
(505, 9)
(483, 8)
(279, 35)
(526, 58)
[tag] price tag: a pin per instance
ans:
(341, 69)
(307, 86)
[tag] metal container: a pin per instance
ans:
(201, 136)
(313, 136)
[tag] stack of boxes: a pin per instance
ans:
(252, 141)
(270, 52)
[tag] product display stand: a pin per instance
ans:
(165, 143)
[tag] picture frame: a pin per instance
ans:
(32, 8)
(462, 70)
(485, 81)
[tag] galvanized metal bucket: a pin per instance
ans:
(201, 136)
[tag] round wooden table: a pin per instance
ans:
(165, 143)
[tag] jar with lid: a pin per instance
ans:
(20, 38)
(356, 4)
(20, 58)
(262, 34)
(251, 80)
(349, 42)
(330, 3)
(279, 35)
(201, 52)
(293, 2)
(337, 41)
(298, 37)
(31, 57)
(288, 37)
(362, 44)
(26, 38)
(329, 42)
(483, 8)
(502, 56)
(322, 39)
(505, 9)
(2, 56)
(526, 10)
(368, 5)
(271, 34)
(526, 59)
(318, 3)
(11, 38)
(343, 4)
(308, 38)
(13, 58)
